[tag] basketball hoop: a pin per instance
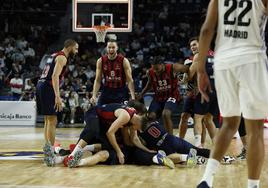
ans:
(100, 31)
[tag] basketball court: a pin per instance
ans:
(22, 166)
(21, 155)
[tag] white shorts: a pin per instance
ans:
(244, 89)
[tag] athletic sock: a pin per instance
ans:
(77, 148)
(183, 157)
(211, 168)
(197, 139)
(253, 183)
(89, 148)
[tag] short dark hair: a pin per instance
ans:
(69, 42)
(157, 60)
(192, 39)
(140, 107)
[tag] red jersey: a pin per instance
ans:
(165, 85)
(49, 68)
(106, 112)
(113, 72)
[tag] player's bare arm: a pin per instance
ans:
(193, 68)
(129, 78)
(206, 34)
(122, 119)
(147, 87)
(137, 142)
(97, 81)
(177, 68)
(265, 2)
(60, 63)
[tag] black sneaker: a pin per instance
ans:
(242, 155)
(203, 184)
(64, 152)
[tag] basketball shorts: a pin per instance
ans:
(171, 104)
(45, 98)
(203, 107)
(244, 89)
(188, 104)
(111, 95)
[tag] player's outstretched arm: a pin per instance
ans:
(97, 81)
(137, 142)
(147, 87)
(122, 119)
(206, 34)
(130, 81)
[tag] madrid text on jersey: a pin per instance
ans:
(236, 34)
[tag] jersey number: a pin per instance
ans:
(154, 132)
(162, 83)
(45, 71)
(234, 6)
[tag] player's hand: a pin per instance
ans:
(58, 104)
(93, 100)
(121, 157)
(204, 85)
(152, 151)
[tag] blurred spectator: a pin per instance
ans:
(73, 103)
(16, 85)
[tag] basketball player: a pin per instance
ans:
(189, 99)
(162, 78)
(116, 71)
(156, 138)
(48, 97)
(113, 118)
(204, 111)
(241, 76)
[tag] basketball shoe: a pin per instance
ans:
(164, 160)
(192, 158)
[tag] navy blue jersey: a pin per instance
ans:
(210, 68)
(49, 68)
(154, 135)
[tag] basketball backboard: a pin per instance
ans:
(117, 14)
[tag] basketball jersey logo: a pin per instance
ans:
(154, 132)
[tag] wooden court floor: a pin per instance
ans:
(28, 169)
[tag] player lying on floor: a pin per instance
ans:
(113, 119)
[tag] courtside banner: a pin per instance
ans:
(17, 113)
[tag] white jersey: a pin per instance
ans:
(240, 35)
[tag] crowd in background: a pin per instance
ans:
(159, 28)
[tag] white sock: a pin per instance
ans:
(155, 160)
(183, 157)
(211, 168)
(253, 183)
(197, 139)
(77, 148)
(89, 148)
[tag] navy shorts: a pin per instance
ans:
(110, 95)
(45, 98)
(207, 107)
(170, 104)
(188, 105)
